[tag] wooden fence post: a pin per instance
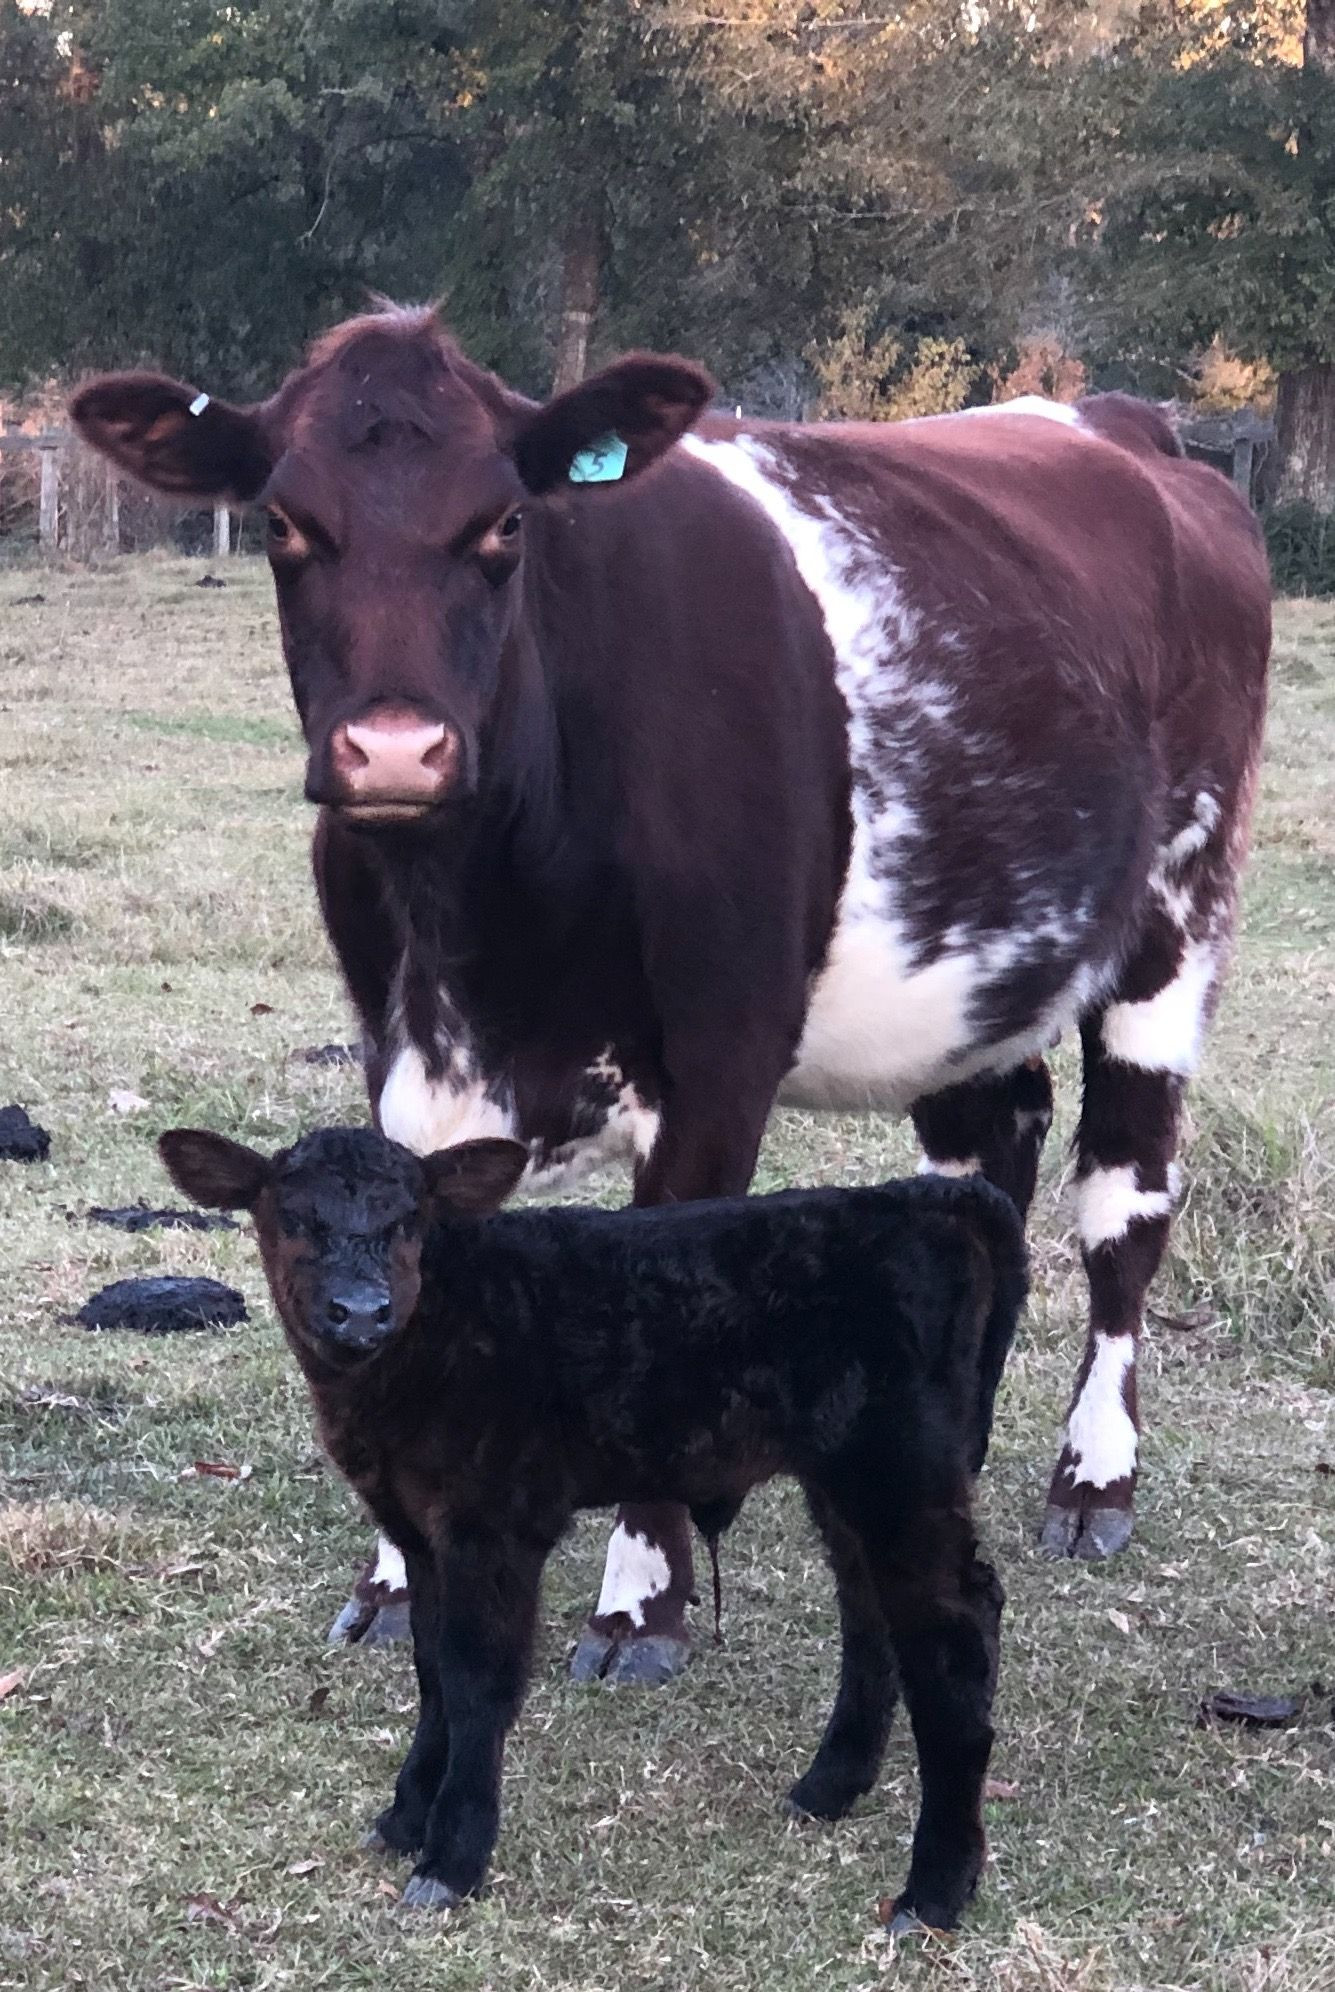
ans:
(48, 510)
(111, 516)
(222, 530)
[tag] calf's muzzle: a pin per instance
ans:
(391, 764)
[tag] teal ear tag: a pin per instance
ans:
(602, 462)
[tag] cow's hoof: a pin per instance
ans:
(592, 1656)
(905, 1924)
(1088, 1532)
(364, 1624)
(425, 1892)
(813, 1799)
(388, 1835)
(647, 1662)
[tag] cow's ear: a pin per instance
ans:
(211, 1170)
(614, 424)
(475, 1177)
(171, 437)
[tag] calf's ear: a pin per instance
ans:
(614, 424)
(172, 438)
(212, 1170)
(475, 1176)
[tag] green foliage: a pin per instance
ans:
(1301, 543)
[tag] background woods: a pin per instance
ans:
(881, 209)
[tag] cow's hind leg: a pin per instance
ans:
(993, 1126)
(1138, 1053)
(849, 1758)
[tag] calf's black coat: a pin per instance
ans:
(479, 1377)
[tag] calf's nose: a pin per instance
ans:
(358, 1311)
(393, 758)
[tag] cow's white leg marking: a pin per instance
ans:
(1100, 1431)
(1163, 1033)
(636, 1570)
(1109, 1201)
(388, 1568)
(967, 1165)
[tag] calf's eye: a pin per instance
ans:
(279, 529)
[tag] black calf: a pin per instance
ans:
(500, 1372)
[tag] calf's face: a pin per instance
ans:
(340, 1218)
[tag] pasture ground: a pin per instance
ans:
(184, 1766)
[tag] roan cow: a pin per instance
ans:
(669, 765)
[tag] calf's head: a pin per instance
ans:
(340, 1219)
(399, 482)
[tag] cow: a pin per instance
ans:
(479, 1378)
(670, 764)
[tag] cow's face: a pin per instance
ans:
(396, 478)
(341, 1219)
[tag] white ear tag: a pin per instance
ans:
(200, 403)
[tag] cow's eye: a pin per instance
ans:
(510, 525)
(280, 529)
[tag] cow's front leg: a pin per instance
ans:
(1136, 1056)
(637, 1633)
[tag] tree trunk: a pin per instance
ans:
(1305, 437)
(1305, 402)
(580, 259)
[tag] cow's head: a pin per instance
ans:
(396, 477)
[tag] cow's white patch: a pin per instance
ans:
(967, 1165)
(1108, 1202)
(636, 1570)
(627, 1136)
(426, 1114)
(389, 1567)
(1163, 1034)
(1100, 1431)
(1194, 835)
(885, 1022)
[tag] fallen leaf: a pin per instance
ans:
(261, 1009)
(9, 1682)
(1000, 1788)
(387, 1888)
(1188, 1321)
(166, 988)
(318, 1698)
(217, 1469)
(209, 1644)
(208, 1909)
(1255, 1711)
(1323, 1466)
(178, 1569)
(122, 1101)
(304, 1867)
(1120, 1620)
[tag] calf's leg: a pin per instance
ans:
(853, 1746)
(942, 1605)
(401, 1829)
(489, 1599)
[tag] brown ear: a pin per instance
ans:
(645, 401)
(212, 1170)
(172, 438)
(475, 1177)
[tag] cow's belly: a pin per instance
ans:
(881, 1030)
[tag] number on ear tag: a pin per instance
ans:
(602, 462)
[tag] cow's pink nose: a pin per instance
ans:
(393, 758)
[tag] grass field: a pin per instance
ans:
(185, 1768)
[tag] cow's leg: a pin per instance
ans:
(849, 1758)
(377, 1611)
(994, 1126)
(1138, 1053)
(706, 1147)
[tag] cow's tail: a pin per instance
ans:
(1144, 427)
(992, 1218)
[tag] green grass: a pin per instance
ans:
(182, 1732)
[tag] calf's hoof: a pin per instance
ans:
(646, 1660)
(816, 1797)
(389, 1835)
(1091, 1531)
(362, 1623)
(425, 1892)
